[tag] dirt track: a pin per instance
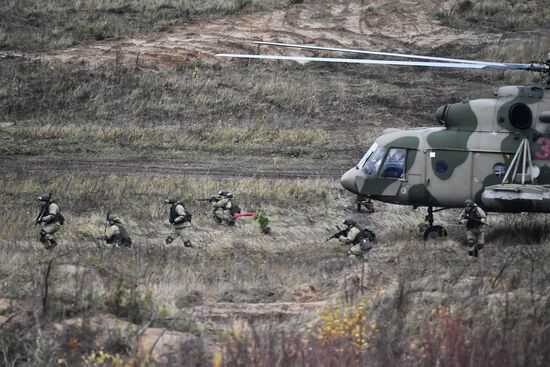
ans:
(162, 167)
(345, 23)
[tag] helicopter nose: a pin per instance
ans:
(348, 180)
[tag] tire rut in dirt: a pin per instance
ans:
(158, 167)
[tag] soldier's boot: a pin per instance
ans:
(168, 240)
(473, 250)
(47, 240)
(188, 244)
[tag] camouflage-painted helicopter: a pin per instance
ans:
(494, 151)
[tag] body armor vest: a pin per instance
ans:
(174, 214)
(473, 218)
(45, 211)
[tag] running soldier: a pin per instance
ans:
(180, 219)
(474, 218)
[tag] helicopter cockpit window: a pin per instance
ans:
(373, 162)
(367, 155)
(394, 165)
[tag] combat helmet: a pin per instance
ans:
(170, 200)
(469, 202)
(225, 194)
(113, 218)
(45, 197)
(349, 222)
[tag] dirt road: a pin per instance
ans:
(341, 23)
(228, 168)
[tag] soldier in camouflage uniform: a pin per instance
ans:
(359, 238)
(180, 219)
(116, 234)
(50, 216)
(223, 208)
(474, 218)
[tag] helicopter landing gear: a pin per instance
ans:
(364, 203)
(432, 232)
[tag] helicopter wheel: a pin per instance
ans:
(434, 233)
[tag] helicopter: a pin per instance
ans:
(494, 151)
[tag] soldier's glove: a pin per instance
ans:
(462, 221)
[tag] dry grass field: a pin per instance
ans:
(106, 132)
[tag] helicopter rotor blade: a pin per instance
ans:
(385, 62)
(378, 53)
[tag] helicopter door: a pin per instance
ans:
(448, 177)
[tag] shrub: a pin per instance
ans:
(263, 221)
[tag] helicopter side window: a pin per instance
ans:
(394, 165)
(373, 162)
(499, 169)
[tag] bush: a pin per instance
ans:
(263, 221)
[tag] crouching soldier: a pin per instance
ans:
(358, 238)
(223, 208)
(116, 234)
(475, 220)
(180, 219)
(50, 216)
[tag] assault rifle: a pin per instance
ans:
(211, 199)
(342, 232)
(471, 216)
(43, 211)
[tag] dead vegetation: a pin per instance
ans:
(243, 297)
(497, 15)
(413, 303)
(29, 25)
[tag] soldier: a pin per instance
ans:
(224, 208)
(180, 219)
(474, 218)
(51, 216)
(359, 238)
(116, 234)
